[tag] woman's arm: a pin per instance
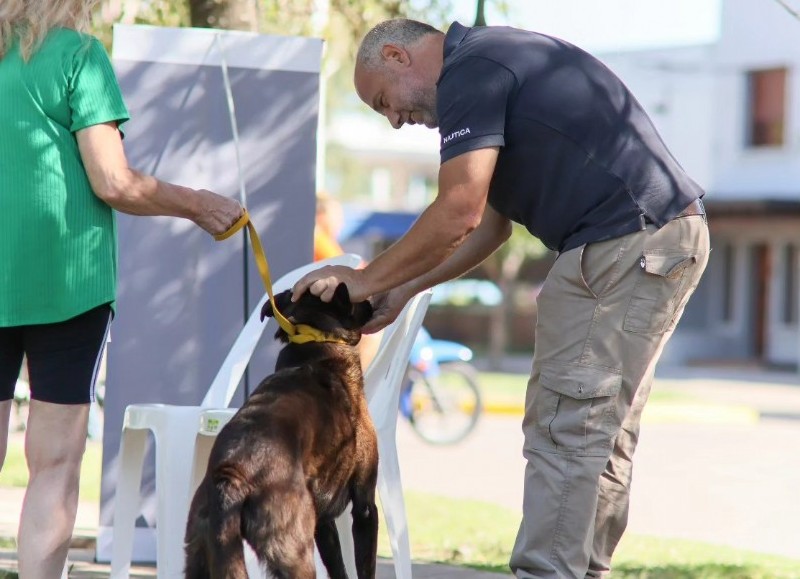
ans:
(132, 192)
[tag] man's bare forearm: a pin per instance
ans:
(435, 236)
(492, 232)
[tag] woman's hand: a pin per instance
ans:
(217, 213)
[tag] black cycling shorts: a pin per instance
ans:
(63, 358)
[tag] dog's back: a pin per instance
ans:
(289, 461)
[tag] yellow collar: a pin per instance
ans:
(307, 333)
(298, 334)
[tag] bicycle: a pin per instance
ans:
(441, 396)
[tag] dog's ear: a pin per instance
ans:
(283, 300)
(341, 297)
(266, 310)
(362, 312)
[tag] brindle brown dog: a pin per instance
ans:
(290, 460)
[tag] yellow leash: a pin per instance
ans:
(298, 334)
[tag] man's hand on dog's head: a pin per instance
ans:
(386, 307)
(324, 281)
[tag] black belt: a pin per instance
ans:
(695, 208)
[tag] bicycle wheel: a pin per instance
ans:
(445, 408)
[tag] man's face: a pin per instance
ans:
(399, 94)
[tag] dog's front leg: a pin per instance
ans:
(330, 550)
(365, 536)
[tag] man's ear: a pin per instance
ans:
(395, 54)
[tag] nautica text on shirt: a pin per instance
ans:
(455, 134)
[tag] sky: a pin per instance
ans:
(609, 25)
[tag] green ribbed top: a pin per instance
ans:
(58, 247)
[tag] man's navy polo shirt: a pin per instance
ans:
(579, 159)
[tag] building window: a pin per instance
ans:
(767, 107)
(790, 285)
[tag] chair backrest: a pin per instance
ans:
(383, 377)
(224, 385)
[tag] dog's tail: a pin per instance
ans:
(228, 493)
(196, 545)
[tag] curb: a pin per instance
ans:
(662, 413)
(666, 413)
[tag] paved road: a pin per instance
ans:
(725, 478)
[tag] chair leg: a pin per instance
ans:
(344, 525)
(322, 572)
(173, 481)
(126, 500)
(252, 564)
(390, 491)
(202, 452)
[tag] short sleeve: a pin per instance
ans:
(472, 98)
(94, 93)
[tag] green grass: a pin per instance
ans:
(15, 471)
(506, 388)
(480, 536)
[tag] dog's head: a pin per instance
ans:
(338, 317)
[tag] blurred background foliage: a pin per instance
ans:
(340, 23)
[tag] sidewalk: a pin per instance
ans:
(82, 566)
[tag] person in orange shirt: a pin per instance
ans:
(328, 224)
(329, 220)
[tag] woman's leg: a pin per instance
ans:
(54, 445)
(63, 360)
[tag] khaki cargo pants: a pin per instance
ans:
(605, 313)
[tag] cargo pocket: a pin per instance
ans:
(655, 297)
(577, 409)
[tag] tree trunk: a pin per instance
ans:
(480, 16)
(500, 319)
(499, 327)
(227, 14)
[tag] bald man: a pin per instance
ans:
(535, 130)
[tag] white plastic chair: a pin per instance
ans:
(383, 380)
(175, 429)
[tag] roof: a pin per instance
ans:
(767, 206)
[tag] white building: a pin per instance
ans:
(730, 112)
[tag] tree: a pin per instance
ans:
(480, 16)
(228, 14)
(503, 268)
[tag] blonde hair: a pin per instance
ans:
(31, 20)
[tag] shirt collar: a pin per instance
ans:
(455, 34)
